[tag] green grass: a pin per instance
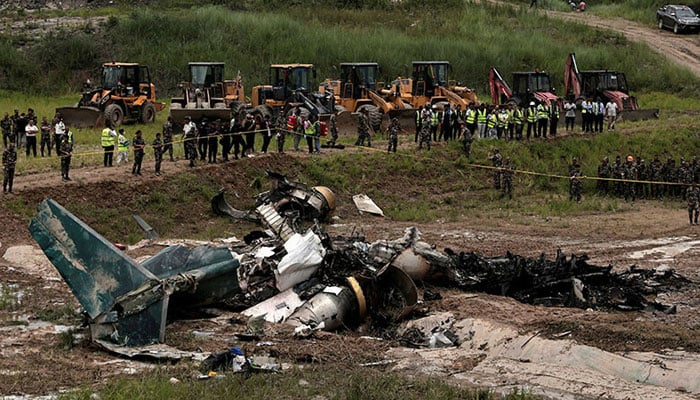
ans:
(251, 35)
(314, 382)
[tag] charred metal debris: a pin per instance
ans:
(296, 274)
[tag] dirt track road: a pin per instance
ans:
(684, 50)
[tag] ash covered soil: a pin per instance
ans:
(648, 235)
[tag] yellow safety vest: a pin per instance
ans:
(481, 116)
(122, 146)
(107, 139)
(491, 121)
(531, 114)
(518, 117)
(471, 116)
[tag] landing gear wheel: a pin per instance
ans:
(115, 114)
(148, 113)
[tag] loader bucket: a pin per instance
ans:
(406, 117)
(639, 115)
(212, 114)
(82, 117)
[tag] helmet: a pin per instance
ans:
(532, 103)
(630, 158)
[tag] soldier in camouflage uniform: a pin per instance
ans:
(467, 140)
(363, 129)
(66, 153)
(425, 132)
(656, 168)
(695, 168)
(572, 169)
(617, 172)
(9, 160)
(497, 161)
(508, 171)
(393, 130)
(168, 138)
(692, 196)
(6, 126)
(642, 189)
(604, 171)
(669, 175)
(576, 184)
(333, 129)
(685, 175)
(630, 174)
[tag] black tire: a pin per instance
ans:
(375, 116)
(263, 110)
(115, 114)
(676, 29)
(148, 113)
(661, 23)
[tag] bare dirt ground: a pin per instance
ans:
(648, 235)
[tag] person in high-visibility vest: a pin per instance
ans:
(481, 120)
(107, 142)
(542, 120)
(502, 122)
(122, 147)
(470, 119)
(519, 121)
(491, 122)
(436, 122)
(553, 117)
(531, 120)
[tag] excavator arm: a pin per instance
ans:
(498, 86)
(572, 77)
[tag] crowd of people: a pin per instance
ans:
(214, 141)
(510, 121)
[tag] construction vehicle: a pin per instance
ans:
(430, 83)
(604, 84)
(527, 87)
(358, 89)
(125, 94)
(289, 89)
(207, 95)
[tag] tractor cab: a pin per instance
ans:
(287, 79)
(529, 86)
(126, 79)
(356, 78)
(600, 81)
(427, 76)
(207, 75)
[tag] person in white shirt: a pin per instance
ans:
(611, 114)
(30, 132)
(570, 114)
(59, 129)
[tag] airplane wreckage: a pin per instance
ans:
(297, 274)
